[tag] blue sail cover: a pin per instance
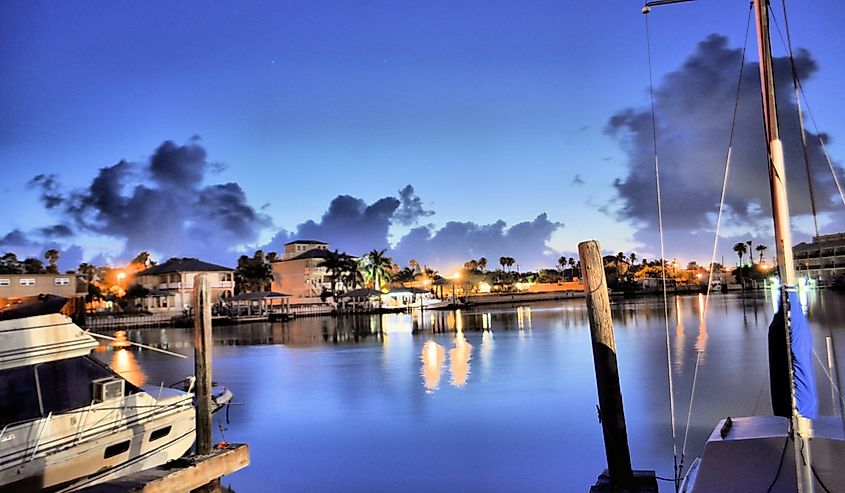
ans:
(801, 339)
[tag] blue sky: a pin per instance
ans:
(488, 109)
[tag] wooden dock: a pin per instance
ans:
(182, 475)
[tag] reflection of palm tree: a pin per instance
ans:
(377, 267)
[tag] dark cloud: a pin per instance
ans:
(50, 195)
(56, 231)
(411, 209)
(577, 180)
(163, 207)
(352, 225)
(15, 239)
(693, 108)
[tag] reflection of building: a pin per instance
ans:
(15, 285)
(171, 284)
(822, 259)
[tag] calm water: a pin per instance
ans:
(495, 399)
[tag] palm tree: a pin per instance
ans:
(510, 261)
(503, 261)
(52, 256)
(482, 264)
(377, 267)
(142, 258)
(633, 258)
(761, 249)
(740, 250)
(750, 254)
(333, 263)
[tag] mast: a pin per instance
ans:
(801, 426)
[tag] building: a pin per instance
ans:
(823, 259)
(17, 285)
(171, 284)
(298, 272)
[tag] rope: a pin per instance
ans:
(718, 225)
(676, 468)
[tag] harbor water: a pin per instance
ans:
(487, 399)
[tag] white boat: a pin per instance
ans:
(794, 450)
(68, 421)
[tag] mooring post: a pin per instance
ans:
(202, 361)
(604, 358)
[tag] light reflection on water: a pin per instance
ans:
(518, 411)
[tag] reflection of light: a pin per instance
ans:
(459, 321)
(701, 342)
(397, 323)
(486, 347)
(680, 327)
(459, 357)
(433, 356)
(520, 322)
(123, 362)
(485, 323)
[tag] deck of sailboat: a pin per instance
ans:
(757, 455)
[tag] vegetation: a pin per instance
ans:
(254, 273)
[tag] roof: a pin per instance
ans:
(307, 242)
(183, 265)
(313, 253)
(258, 295)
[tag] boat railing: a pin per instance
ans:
(82, 422)
(41, 435)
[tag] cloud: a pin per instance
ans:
(693, 106)
(456, 242)
(56, 231)
(16, 239)
(161, 206)
(411, 209)
(351, 225)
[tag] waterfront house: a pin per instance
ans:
(171, 284)
(823, 259)
(17, 285)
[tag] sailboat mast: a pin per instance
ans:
(777, 175)
(801, 426)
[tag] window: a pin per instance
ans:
(61, 281)
(160, 433)
(27, 282)
(18, 396)
(5, 282)
(66, 384)
(116, 449)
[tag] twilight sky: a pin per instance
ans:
(441, 130)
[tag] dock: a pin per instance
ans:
(185, 474)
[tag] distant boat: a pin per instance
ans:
(68, 421)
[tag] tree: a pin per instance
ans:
(52, 257)
(633, 258)
(503, 261)
(740, 250)
(482, 264)
(253, 274)
(471, 265)
(561, 263)
(9, 264)
(620, 257)
(33, 266)
(750, 252)
(377, 267)
(761, 249)
(333, 263)
(143, 258)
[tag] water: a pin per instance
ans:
(489, 399)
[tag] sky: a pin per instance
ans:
(441, 131)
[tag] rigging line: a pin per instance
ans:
(828, 375)
(718, 225)
(676, 468)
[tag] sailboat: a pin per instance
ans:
(794, 450)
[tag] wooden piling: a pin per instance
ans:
(604, 358)
(202, 361)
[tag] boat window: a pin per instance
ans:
(18, 397)
(116, 449)
(160, 433)
(66, 384)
